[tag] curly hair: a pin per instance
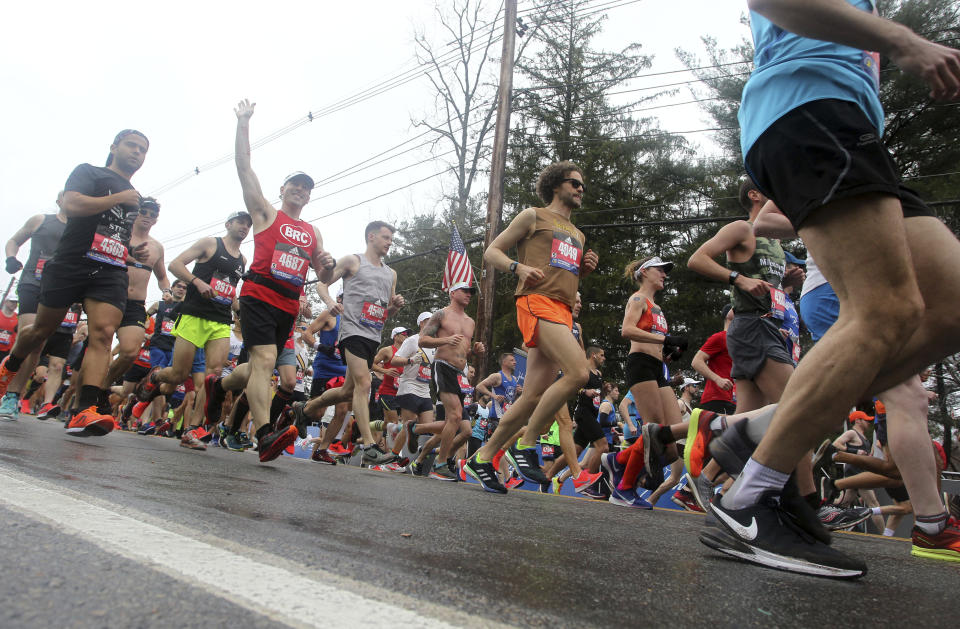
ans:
(553, 176)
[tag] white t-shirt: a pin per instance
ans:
(814, 277)
(415, 378)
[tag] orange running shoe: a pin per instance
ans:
(25, 407)
(696, 454)
(944, 546)
(5, 376)
(191, 439)
(89, 423)
(585, 480)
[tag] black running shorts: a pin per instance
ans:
(136, 373)
(67, 282)
(588, 431)
(823, 151)
(644, 368)
(720, 407)
(134, 314)
(58, 345)
(445, 377)
(414, 403)
(359, 346)
(263, 324)
(389, 402)
(29, 295)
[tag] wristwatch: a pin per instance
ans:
(513, 267)
(733, 277)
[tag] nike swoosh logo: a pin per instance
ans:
(748, 533)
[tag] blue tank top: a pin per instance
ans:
(507, 388)
(792, 70)
(324, 365)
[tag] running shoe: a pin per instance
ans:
(191, 439)
(148, 429)
(416, 468)
(652, 453)
(5, 375)
(842, 519)
(25, 407)
(828, 490)
(557, 485)
(222, 431)
(233, 442)
(320, 455)
(764, 534)
(944, 545)
(374, 454)
(163, 429)
(48, 411)
(337, 449)
(830, 516)
(396, 468)
(442, 471)
(213, 407)
(628, 498)
(608, 461)
(89, 423)
(296, 417)
(513, 482)
(823, 459)
(485, 474)
(699, 435)
(527, 463)
(412, 438)
(544, 488)
(460, 471)
(593, 492)
(273, 444)
(8, 407)
(148, 388)
(245, 440)
(702, 491)
(686, 500)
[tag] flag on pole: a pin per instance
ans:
(458, 267)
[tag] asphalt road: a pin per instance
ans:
(132, 531)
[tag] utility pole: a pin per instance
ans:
(498, 164)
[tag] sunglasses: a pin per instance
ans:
(576, 183)
(150, 213)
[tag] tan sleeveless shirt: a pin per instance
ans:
(556, 248)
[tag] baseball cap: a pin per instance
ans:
(688, 381)
(855, 415)
(467, 285)
(240, 214)
(399, 330)
(299, 175)
(423, 316)
(792, 259)
(654, 261)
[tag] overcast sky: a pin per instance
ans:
(76, 73)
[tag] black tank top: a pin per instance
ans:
(222, 272)
(167, 312)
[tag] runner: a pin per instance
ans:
(202, 320)
(369, 299)
(550, 249)
(860, 224)
(284, 248)
(450, 332)
(43, 231)
(589, 432)
(8, 326)
(130, 334)
(501, 387)
(713, 363)
(89, 265)
(387, 392)
(413, 391)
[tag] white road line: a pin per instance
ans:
(275, 592)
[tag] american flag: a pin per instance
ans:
(458, 267)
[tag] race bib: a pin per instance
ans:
(167, 327)
(38, 270)
(107, 249)
(70, 320)
(565, 252)
(144, 356)
(778, 304)
(424, 373)
(547, 449)
(659, 325)
(5, 337)
(373, 315)
(223, 290)
(795, 340)
(290, 264)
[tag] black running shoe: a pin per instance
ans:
(295, 416)
(764, 534)
(374, 455)
(848, 518)
(148, 388)
(527, 464)
(273, 444)
(485, 474)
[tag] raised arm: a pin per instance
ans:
(260, 209)
(840, 22)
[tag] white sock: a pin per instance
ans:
(888, 532)
(719, 423)
(755, 480)
(931, 524)
(877, 511)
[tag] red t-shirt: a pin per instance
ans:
(719, 362)
(8, 331)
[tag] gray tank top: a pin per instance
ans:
(366, 296)
(43, 243)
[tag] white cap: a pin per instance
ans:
(467, 285)
(688, 381)
(654, 261)
(399, 330)
(423, 316)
